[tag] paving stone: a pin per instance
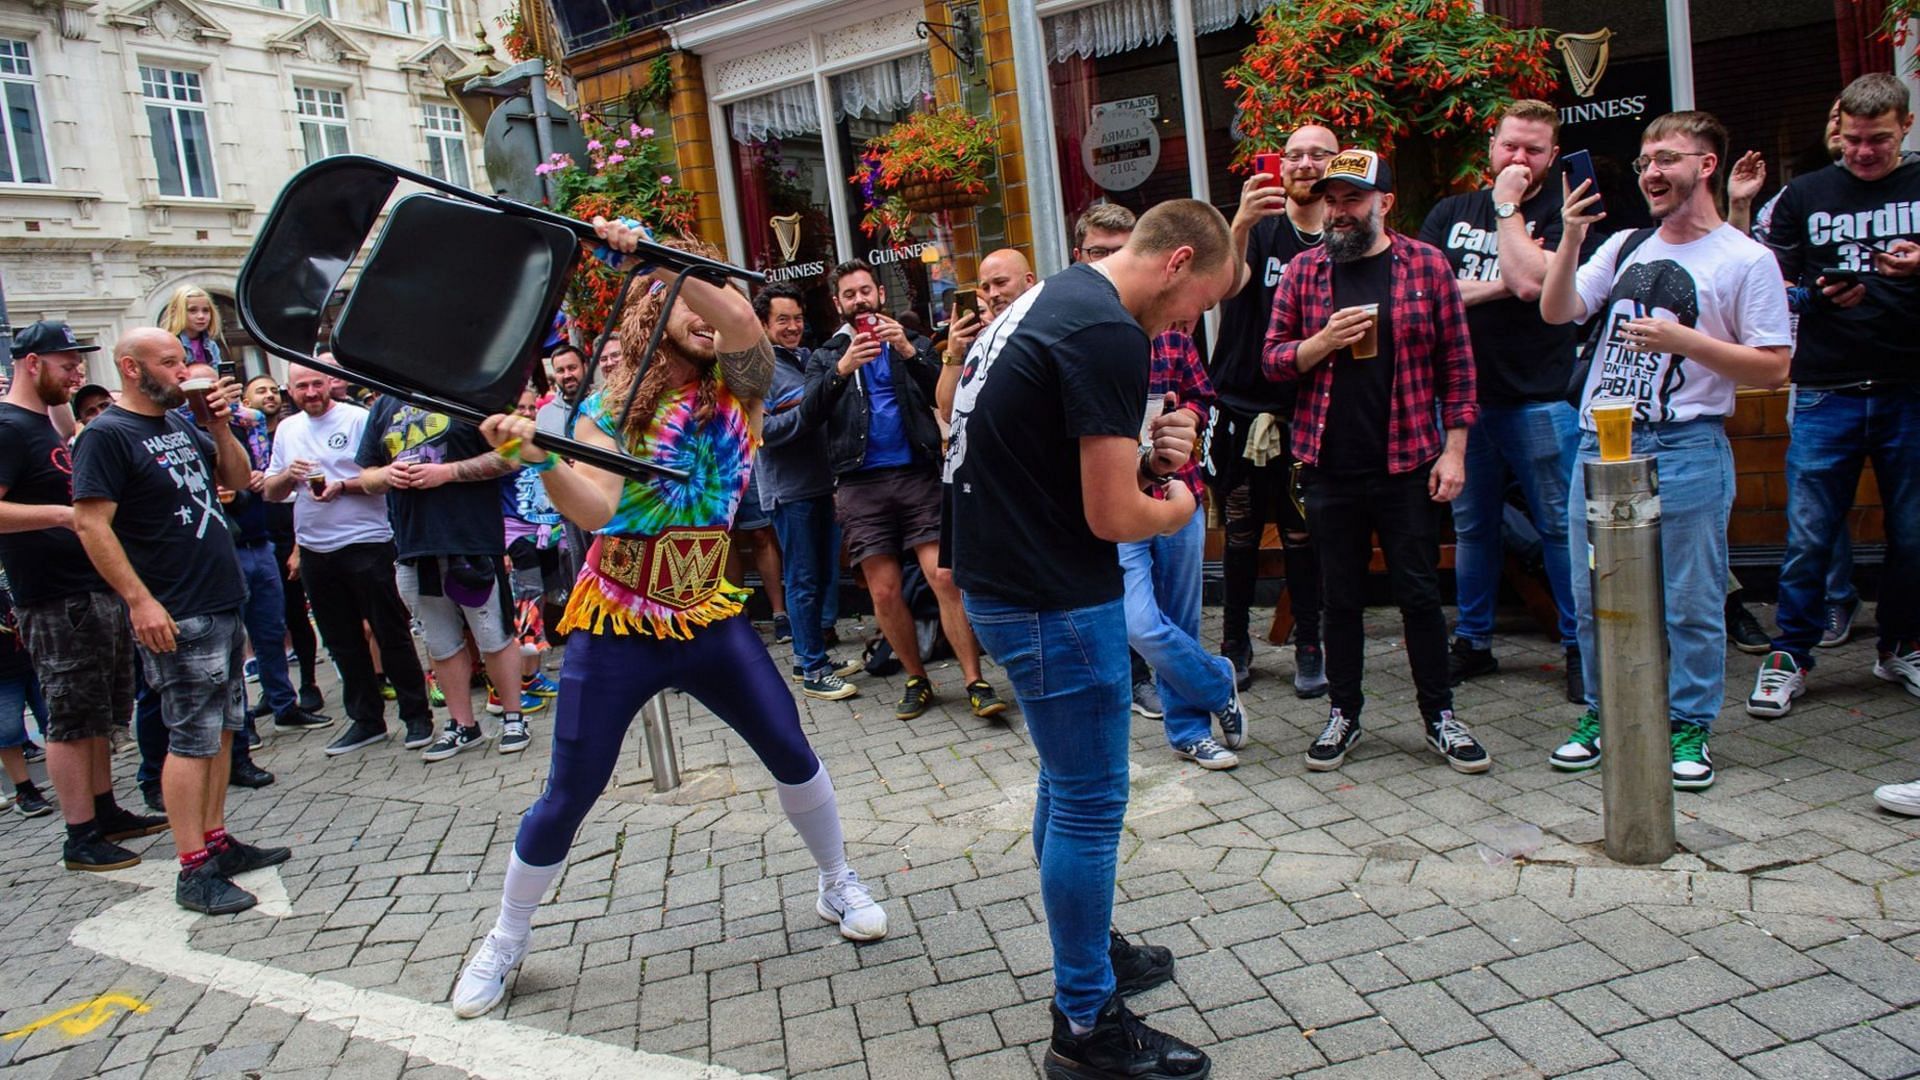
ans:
(1555, 971)
(1426, 1018)
(1732, 1031)
(1599, 1009)
(1801, 1061)
(1484, 1060)
(1872, 1053)
(1666, 1050)
(1547, 1038)
(1888, 973)
(1754, 955)
(1391, 1065)
(1810, 1008)
(1316, 997)
(1680, 988)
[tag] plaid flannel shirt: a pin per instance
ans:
(1433, 352)
(1176, 366)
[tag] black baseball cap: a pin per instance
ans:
(91, 390)
(47, 336)
(1363, 169)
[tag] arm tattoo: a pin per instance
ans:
(749, 373)
(487, 466)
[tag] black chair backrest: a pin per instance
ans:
(309, 240)
(457, 297)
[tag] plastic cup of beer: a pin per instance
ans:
(196, 391)
(1368, 346)
(317, 483)
(1613, 420)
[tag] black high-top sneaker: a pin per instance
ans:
(1120, 1045)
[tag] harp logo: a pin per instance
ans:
(1586, 58)
(786, 232)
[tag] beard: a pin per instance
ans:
(1350, 244)
(52, 389)
(1301, 191)
(1680, 191)
(167, 397)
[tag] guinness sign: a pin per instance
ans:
(1586, 58)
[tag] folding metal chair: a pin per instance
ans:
(452, 304)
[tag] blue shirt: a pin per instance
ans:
(887, 446)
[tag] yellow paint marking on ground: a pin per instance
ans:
(81, 1019)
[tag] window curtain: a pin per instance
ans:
(874, 91)
(1119, 26)
(1858, 28)
(790, 110)
(1529, 13)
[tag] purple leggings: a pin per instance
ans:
(605, 680)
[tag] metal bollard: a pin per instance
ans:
(660, 753)
(1630, 635)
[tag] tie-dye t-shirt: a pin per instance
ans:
(716, 456)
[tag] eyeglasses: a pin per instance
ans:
(1295, 157)
(1098, 252)
(1666, 159)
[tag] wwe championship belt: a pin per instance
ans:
(679, 568)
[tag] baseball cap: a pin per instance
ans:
(47, 336)
(92, 390)
(1363, 169)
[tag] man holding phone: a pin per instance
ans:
(874, 384)
(1497, 240)
(1851, 233)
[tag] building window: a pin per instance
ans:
(447, 145)
(400, 15)
(26, 144)
(437, 18)
(323, 121)
(177, 123)
(323, 8)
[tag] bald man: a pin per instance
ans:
(1004, 275)
(345, 548)
(146, 509)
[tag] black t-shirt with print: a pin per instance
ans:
(36, 468)
(1355, 440)
(1239, 383)
(452, 519)
(1518, 357)
(1066, 360)
(160, 472)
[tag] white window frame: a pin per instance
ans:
(444, 10)
(188, 94)
(444, 125)
(30, 79)
(324, 109)
(400, 16)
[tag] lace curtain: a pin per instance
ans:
(876, 90)
(1119, 26)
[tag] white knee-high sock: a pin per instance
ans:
(815, 814)
(524, 889)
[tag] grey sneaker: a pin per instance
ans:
(1309, 671)
(1233, 722)
(1146, 701)
(453, 739)
(1839, 629)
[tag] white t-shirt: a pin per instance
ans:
(1724, 284)
(331, 440)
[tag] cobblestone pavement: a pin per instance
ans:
(1346, 924)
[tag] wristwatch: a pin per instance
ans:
(1505, 209)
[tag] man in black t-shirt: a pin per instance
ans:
(1048, 474)
(1851, 234)
(1496, 240)
(71, 624)
(1249, 464)
(147, 510)
(1371, 322)
(440, 478)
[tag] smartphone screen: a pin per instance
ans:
(1579, 164)
(965, 300)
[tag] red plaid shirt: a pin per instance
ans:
(1176, 366)
(1433, 354)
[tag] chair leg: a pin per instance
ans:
(1282, 618)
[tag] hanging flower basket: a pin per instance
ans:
(931, 196)
(931, 161)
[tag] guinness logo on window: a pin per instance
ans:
(786, 232)
(1586, 57)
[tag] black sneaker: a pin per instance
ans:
(1745, 631)
(1120, 1045)
(246, 774)
(846, 669)
(28, 802)
(419, 734)
(300, 718)
(33, 751)
(1576, 677)
(1309, 671)
(260, 711)
(1241, 653)
(357, 735)
(915, 699)
(1451, 740)
(156, 801)
(513, 736)
(202, 889)
(124, 824)
(238, 858)
(311, 699)
(1329, 751)
(96, 853)
(453, 739)
(782, 629)
(255, 740)
(983, 701)
(1137, 968)
(827, 686)
(1466, 662)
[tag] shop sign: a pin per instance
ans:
(1585, 57)
(1148, 104)
(899, 253)
(1120, 150)
(796, 271)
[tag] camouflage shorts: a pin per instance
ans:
(82, 649)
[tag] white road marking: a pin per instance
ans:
(151, 931)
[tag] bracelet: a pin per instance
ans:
(542, 465)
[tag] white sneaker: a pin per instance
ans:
(1901, 667)
(1899, 798)
(1778, 682)
(848, 903)
(483, 983)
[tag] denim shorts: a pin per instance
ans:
(203, 690)
(13, 711)
(444, 623)
(82, 649)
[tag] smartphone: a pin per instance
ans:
(965, 300)
(867, 323)
(1579, 166)
(1269, 164)
(1840, 275)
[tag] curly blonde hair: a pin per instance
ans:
(646, 306)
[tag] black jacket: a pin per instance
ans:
(842, 402)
